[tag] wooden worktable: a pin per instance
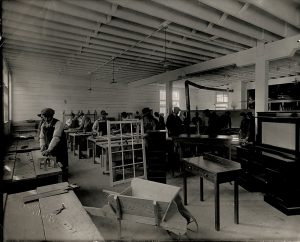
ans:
(216, 170)
(20, 168)
(37, 221)
(78, 142)
(24, 145)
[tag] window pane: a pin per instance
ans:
(162, 95)
(175, 95)
(162, 110)
(219, 98)
(175, 104)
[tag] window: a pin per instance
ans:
(163, 100)
(221, 101)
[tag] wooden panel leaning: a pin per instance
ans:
(150, 203)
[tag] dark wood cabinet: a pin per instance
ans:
(272, 165)
(156, 147)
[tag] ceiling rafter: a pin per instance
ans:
(182, 19)
(76, 37)
(239, 29)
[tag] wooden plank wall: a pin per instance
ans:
(33, 91)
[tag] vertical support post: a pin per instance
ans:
(188, 105)
(169, 98)
(261, 79)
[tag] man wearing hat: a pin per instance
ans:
(86, 123)
(53, 140)
(174, 123)
(150, 123)
(100, 125)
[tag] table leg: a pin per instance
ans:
(74, 149)
(217, 206)
(71, 143)
(184, 186)
(94, 151)
(201, 189)
(87, 148)
(236, 202)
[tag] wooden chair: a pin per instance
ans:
(150, 203)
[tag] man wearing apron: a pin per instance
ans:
(53, 141)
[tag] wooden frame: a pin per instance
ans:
(124, 153)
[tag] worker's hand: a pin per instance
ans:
(43, 148)
(46, 152)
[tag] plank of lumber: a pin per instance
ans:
(153, 190)
(35, 197)
(73, 223)
(22, 222)
(9, 165)
(40, 170)
(24, 168)
(57, 186)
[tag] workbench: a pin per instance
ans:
(91, 145)
(216, 170)
(38, 221)
(78, 142)
(24, 145)
(204, 143)
(68, 132)
(23, 171)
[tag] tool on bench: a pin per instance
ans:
(58, 211)
(35, 197)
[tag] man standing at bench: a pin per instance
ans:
(53, 140)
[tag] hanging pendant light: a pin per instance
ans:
(90, 88)
(113, 72)
(165, 63)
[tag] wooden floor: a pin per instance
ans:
(258, 220)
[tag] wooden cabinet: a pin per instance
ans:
(156, 149)
(272, 165)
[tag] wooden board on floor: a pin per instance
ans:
(22, 222)
(24, 167)
(40, 170)
(73, 223)
(9, 165)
